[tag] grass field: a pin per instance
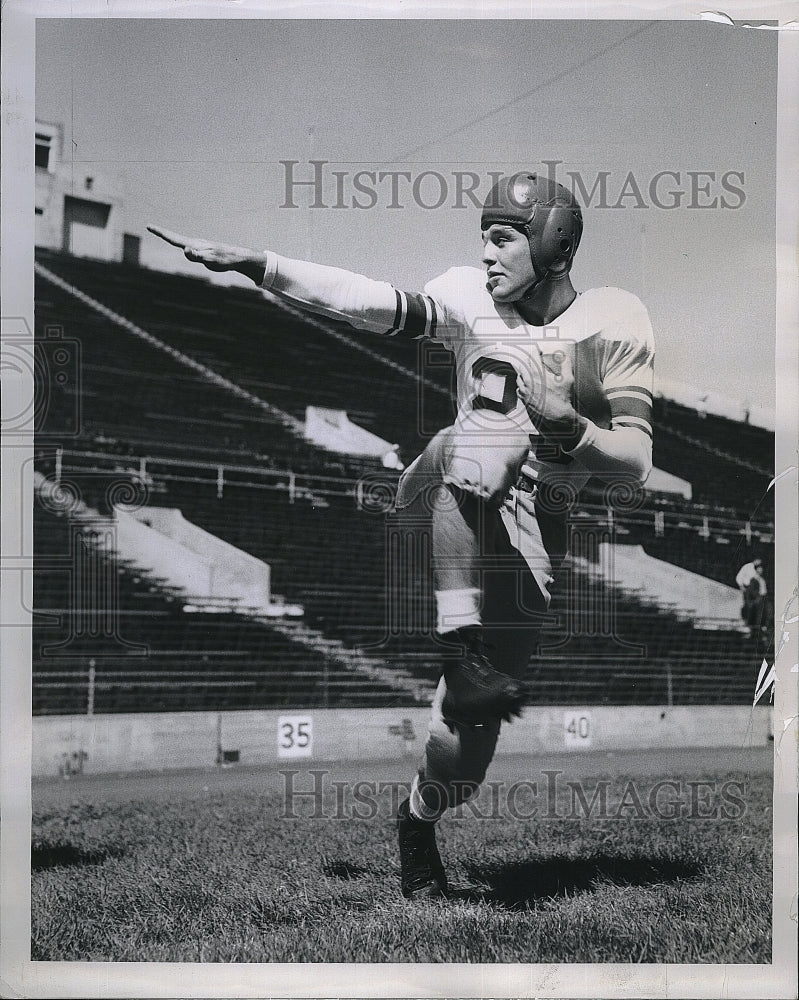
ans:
(208, 867)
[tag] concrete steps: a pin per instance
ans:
(353, 659)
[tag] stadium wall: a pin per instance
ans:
(69, 745)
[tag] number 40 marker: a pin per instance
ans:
(577, 730)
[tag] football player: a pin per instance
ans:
(553, 387)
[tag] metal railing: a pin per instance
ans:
(298, 487)
(77, 691)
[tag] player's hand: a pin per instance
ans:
(215, 256)
(548, 398)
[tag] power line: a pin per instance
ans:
(647, 26)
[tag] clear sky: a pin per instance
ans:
(192, 118)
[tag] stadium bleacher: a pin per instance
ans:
(579, 656)
(149, 653)
(744, 444)
(139, 404)
(718, 480)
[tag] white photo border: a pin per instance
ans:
(20, 976)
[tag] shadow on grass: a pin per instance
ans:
(518, 886)
(60, 855)
(344, 870)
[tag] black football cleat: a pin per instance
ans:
(477, 694)
(422, 873)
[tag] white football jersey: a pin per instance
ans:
(605, 333)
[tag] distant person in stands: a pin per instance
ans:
(553, 386)
(751, 582)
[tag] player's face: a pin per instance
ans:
(506, 255)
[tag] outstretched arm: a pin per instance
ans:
(327, 291)
(217, 256)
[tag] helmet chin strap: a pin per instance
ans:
(532, 289)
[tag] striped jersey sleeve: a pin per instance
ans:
(415, 316)
(628, 370)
